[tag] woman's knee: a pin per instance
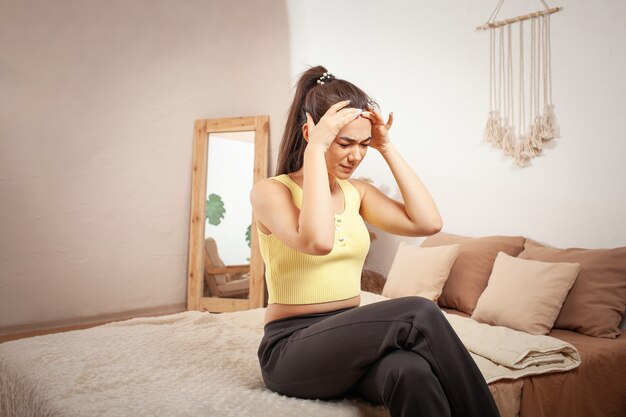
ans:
(408, 370)
(420, 305)
(411, 367)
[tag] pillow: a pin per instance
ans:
(419, 271)
(372, 281)
(470, 272)
(595, 306)
(525, 295)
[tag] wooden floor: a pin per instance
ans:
(49, 331)
(130, 315)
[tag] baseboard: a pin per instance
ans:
(38, 329)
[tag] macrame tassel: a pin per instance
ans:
(522, 156)
(508, 137)
(528, 147)
(550, 126)
(497, 140)
(499, 93)
(535, 141)
(493, 132)
(493, 128)
(521, 159)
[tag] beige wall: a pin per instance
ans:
(97, 104)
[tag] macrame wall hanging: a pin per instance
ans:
(519, 134)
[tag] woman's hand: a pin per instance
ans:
(329, 125)
(380, 129)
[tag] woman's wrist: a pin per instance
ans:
(316, 147)
(385, 148)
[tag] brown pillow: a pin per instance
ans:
(472, 268)
(525, 295)
(595, 305)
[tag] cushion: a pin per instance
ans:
(525, 295)
(372, 281)
(419, 271)
(595, 305)
(470, 272)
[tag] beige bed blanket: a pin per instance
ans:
(185, 364)
(503, 353)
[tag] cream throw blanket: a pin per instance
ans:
(201, 364)
(503, 353)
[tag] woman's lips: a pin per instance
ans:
(347, 168)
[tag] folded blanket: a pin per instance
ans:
(503, 353)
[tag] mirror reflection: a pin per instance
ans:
(228, 214)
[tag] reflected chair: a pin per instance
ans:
(224, 281)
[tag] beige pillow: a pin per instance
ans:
(471, 270)
(525, 295)
(419, 271)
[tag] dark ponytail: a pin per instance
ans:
(316, 99)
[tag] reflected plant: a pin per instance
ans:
(248, 236)
(214, 209)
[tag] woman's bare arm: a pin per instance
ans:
(310, 229)
(418, 215)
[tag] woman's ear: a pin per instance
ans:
(305, 132)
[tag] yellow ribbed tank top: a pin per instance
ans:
(294, 277)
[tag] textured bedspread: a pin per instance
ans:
(185, 364)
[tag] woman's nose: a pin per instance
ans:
(355, 155)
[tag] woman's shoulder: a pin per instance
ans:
(268, 189)
(359, 185)
(271, 185)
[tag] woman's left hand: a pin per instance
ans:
(380, 129)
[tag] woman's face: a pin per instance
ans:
(349, 148)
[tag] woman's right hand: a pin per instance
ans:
(326, 130)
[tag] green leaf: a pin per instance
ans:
(248, 236)
(214, 209)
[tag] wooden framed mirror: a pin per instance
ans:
(225, 268)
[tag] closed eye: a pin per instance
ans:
(345, 145)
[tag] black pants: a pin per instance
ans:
(400, 352)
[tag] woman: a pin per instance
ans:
(318, 342)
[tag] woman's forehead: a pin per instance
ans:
(359, 129)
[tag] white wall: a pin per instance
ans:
(426, 62)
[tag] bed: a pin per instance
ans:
(585, 314)
(597, 387)
(198, 363)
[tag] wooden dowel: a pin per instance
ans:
(504, 22)
(228, 269)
